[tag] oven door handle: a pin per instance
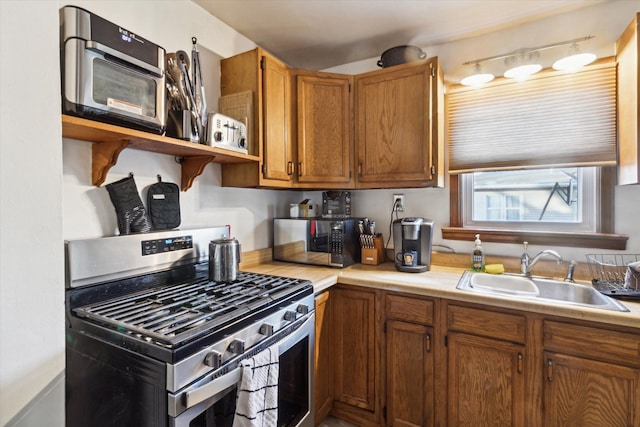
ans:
(200, 394)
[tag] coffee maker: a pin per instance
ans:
(412, 244)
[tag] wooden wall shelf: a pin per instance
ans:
(110, 140)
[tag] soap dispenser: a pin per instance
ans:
(477, 258)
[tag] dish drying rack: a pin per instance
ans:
(608, 272)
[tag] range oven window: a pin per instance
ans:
(123, 89)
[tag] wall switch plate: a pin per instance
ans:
(398, 202)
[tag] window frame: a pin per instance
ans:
(603, 238)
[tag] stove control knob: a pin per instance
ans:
(303, 309)
(266, 329)
(290, 316)
(236, 346)
(213, 359)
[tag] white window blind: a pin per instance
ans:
(554, 119)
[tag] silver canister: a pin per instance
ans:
(224, 259)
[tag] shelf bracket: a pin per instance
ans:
(192, 167)
(103, 156)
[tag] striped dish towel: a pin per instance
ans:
(257, 400)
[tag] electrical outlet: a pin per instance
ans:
(398, 202)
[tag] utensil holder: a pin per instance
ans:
(375, 255)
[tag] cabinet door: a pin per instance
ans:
(396, 121)
(323, 379)
(410, 374)
(486, 381)
(354, 327)
(584, 392)
(324, 129)
(277, 149)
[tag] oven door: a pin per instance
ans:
(213, 403)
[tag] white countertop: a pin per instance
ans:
(439, 282)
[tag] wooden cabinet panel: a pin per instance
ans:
(398, 130)
(486, 323)
(627, 56)
(278, 153)
(270, 82)
(486, 382)
(411, 309)
(603, 344)
(323, 381)
(355, 344)
(324, 142)
(583, 392)
(410, 374)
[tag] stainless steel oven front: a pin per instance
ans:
(211, 400)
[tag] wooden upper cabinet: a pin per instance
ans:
(399, 126)
(627, 53)
(324, 136)
(269, 81)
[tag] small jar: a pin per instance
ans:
(293, 210)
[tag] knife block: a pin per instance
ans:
(375, 255)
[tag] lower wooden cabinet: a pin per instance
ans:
(486, 382)
(323, 387)
(410, 374)
(356, 353)
(592, 375)
(407, 360)
(584, 392)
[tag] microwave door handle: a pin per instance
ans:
(92, 45)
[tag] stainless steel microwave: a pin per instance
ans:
(110, 74)
(318, 241)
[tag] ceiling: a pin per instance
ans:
(320, 34)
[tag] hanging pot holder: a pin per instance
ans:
(163, 203)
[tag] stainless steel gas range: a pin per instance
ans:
(151, 341)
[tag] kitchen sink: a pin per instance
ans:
(538, 288)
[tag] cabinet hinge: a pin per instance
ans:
(262, 64)
(433, 70)
(264, 169)
(446, 340)
(433, 170)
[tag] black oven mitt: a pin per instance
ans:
(163, 202)
(131, 214)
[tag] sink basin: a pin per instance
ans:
(538, 288)
(515, 285)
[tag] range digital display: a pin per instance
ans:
(151, 247)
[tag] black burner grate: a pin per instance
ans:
(173, 314)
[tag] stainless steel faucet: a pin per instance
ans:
(527, 263)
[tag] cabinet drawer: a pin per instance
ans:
(604, 344)
(411, 309)
(491, 324)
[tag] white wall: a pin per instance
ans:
(31, 242)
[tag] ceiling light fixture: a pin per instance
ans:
(478, 78)
(575, 61)
(523, 63)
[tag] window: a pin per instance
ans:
(562, 199)
(534, 160)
